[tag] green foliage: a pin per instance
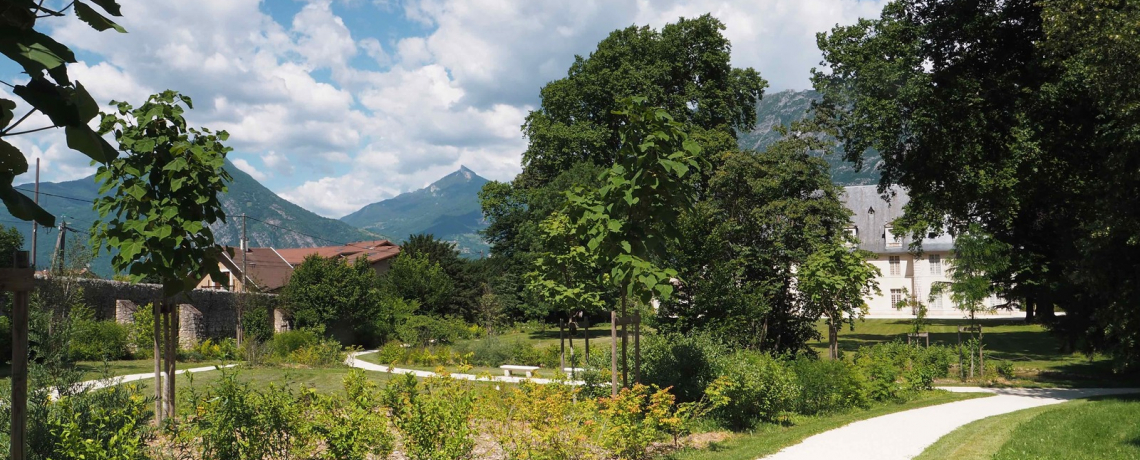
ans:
(834, 281)
(1023, 134)
(11, 240)
(895, 369)
(827, 386)
(764, 215)
(494, 351)
(685, 68)
(284, 343)
(564, 275)
(757, 387)
(628, 222)
(424, 330)
(541, 422)
(686, 364)
(632, 420)
(225, 349)
(976, 256)
(99, 340)
(415, 277)
(257, 324)
(65, 102)
(140, 334)
(340, 298)
(351, 427)
(165, 193)
(434, 417)
(1005, 369)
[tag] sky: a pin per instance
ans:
(335, 104)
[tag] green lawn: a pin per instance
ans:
(374, 359)
(327, 379)
(599, 336)
(1099, 428)
(1033, 350)
(769, 439)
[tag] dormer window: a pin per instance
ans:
(893, 240)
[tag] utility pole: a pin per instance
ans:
(36, 226)
(241, 310)
(60, 248)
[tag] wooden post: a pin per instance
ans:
(20, 279)
(586, 324)
(171, 355)
(562, 343)
(156, 308)
(613, 353)
(636, 347)
(624, 345)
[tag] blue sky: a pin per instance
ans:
(335, 104)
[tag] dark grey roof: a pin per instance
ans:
(873, 214)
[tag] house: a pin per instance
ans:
(902, 271)
(269, 269)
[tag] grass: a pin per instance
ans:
(1035, 352)
(769, 439)
(323, 379)
(1098, 428)
(374, 359)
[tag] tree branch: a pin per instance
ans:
(6, 134)
(17, 123)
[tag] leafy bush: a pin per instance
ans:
(686, 363)
(493, 351)
(895, 367)
(425, 330)
(141, 332)
(208, 349)
(285, 343)
(435, 417)
(98, 340)
(634, 420)
(325, 352)
(758, 388)
(827, 386)
(257, 324)
(1005, 369)
(392, 353)
(540, 422)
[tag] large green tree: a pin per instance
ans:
(684, 68)
(1019, 116)
(49, 90)
(341, 298)
(834, 281)
(765, 214)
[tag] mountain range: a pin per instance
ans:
(448, 208)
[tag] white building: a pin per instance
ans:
(902, 270)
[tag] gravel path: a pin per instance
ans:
(104, 383)
(353, 362)
(904, 435)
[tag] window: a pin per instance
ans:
(853, 236)
(937, 303)
(893, 240)
(896, 297)
(896, 265)
(935, 264)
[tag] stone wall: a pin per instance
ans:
(213, 309)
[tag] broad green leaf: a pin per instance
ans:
(84, 103)
(87, 141)
(110, 6)
(50, 99)
(12, 160)
(94, 19)
(20, 206)
(6, 115)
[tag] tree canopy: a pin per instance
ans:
(1020, 117)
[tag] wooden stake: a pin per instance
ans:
(21, 282)
(613, 353)
(156, 308)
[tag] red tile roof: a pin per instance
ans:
(270, 269)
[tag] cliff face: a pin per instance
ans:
(783, 108)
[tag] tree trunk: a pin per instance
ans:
(1029, 307)
(171, 354)
(833, 340)
(159, 329)
(624, 358)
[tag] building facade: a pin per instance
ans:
(903, 272)
(269, 269)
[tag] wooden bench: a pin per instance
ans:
(569, 370)
(507, 368)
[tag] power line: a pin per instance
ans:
(81, 200)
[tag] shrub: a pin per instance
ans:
(827, 386)
(285, 343)
(758, 388)
(684, 363)
(141, 332)
(351, 428)
(893, 367)
(434, 417)
(325, 352)
(540, 422)
(424, 330)
(1005, 369)
(208, 349)
(98, 340)
(392, 353)
(493, 351)
(633, 420)
(257, 324)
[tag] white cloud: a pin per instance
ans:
(248, 169)
(455, 95)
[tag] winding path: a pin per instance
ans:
(904, 435)
(361, 364)
(110, 381)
